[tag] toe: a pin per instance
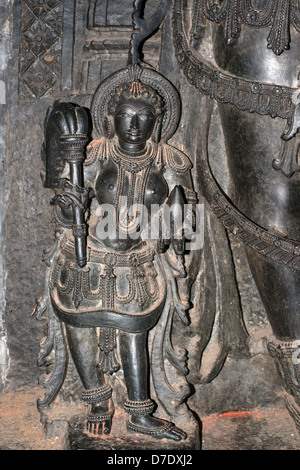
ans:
(106, 427)
(176, 434)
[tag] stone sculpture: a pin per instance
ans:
(253, 75)
(108, 283)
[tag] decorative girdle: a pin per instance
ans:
(276, 14)
(246, 95)
(283, 251)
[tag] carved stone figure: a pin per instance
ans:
(252, 73)
(108, 281)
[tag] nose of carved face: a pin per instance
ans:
(134, 121)
(135, 125)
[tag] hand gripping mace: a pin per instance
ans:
(73, 153)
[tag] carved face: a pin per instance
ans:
(134, 121)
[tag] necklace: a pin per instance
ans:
(133, 163)
(136, 170)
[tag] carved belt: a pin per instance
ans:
(245, 95)
(248, 95)
(281, 250)
(110, 258)
(73, 285)
(278, 15)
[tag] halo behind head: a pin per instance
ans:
(102, 104)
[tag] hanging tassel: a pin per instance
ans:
(77, 291)
(288, 159)
(108, 362)
(108, 287)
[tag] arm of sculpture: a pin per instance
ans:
(181, 201)
(66, 136)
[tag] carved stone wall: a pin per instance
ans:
(40, 52)
(5, 31)
(67, 47)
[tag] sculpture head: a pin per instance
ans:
(136, 112)
(134, 122)
(138, 88)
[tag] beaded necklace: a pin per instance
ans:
(129, 204)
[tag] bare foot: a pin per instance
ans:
(156, 427)
(100, 418)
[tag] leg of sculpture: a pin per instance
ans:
(266, 196)
(134, 353)
(83, 344)
(263, 194)
(271, 200)
(254, 78)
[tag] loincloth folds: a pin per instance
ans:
(121, 290)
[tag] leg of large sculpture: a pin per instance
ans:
(279, 290)
(215, 258)
(271, 200)
(134, 354)
(83, 344)
(255, 84)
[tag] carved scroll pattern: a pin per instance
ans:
(171, 393)
(55, 342)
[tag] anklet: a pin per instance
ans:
(159, 431)
(97, 394)
(139, 407)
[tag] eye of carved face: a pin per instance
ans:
(134, 121)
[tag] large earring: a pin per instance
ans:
(108, 127)
(157, 130)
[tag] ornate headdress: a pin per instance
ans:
(136, 80)
(150, 83)
(135, 89)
